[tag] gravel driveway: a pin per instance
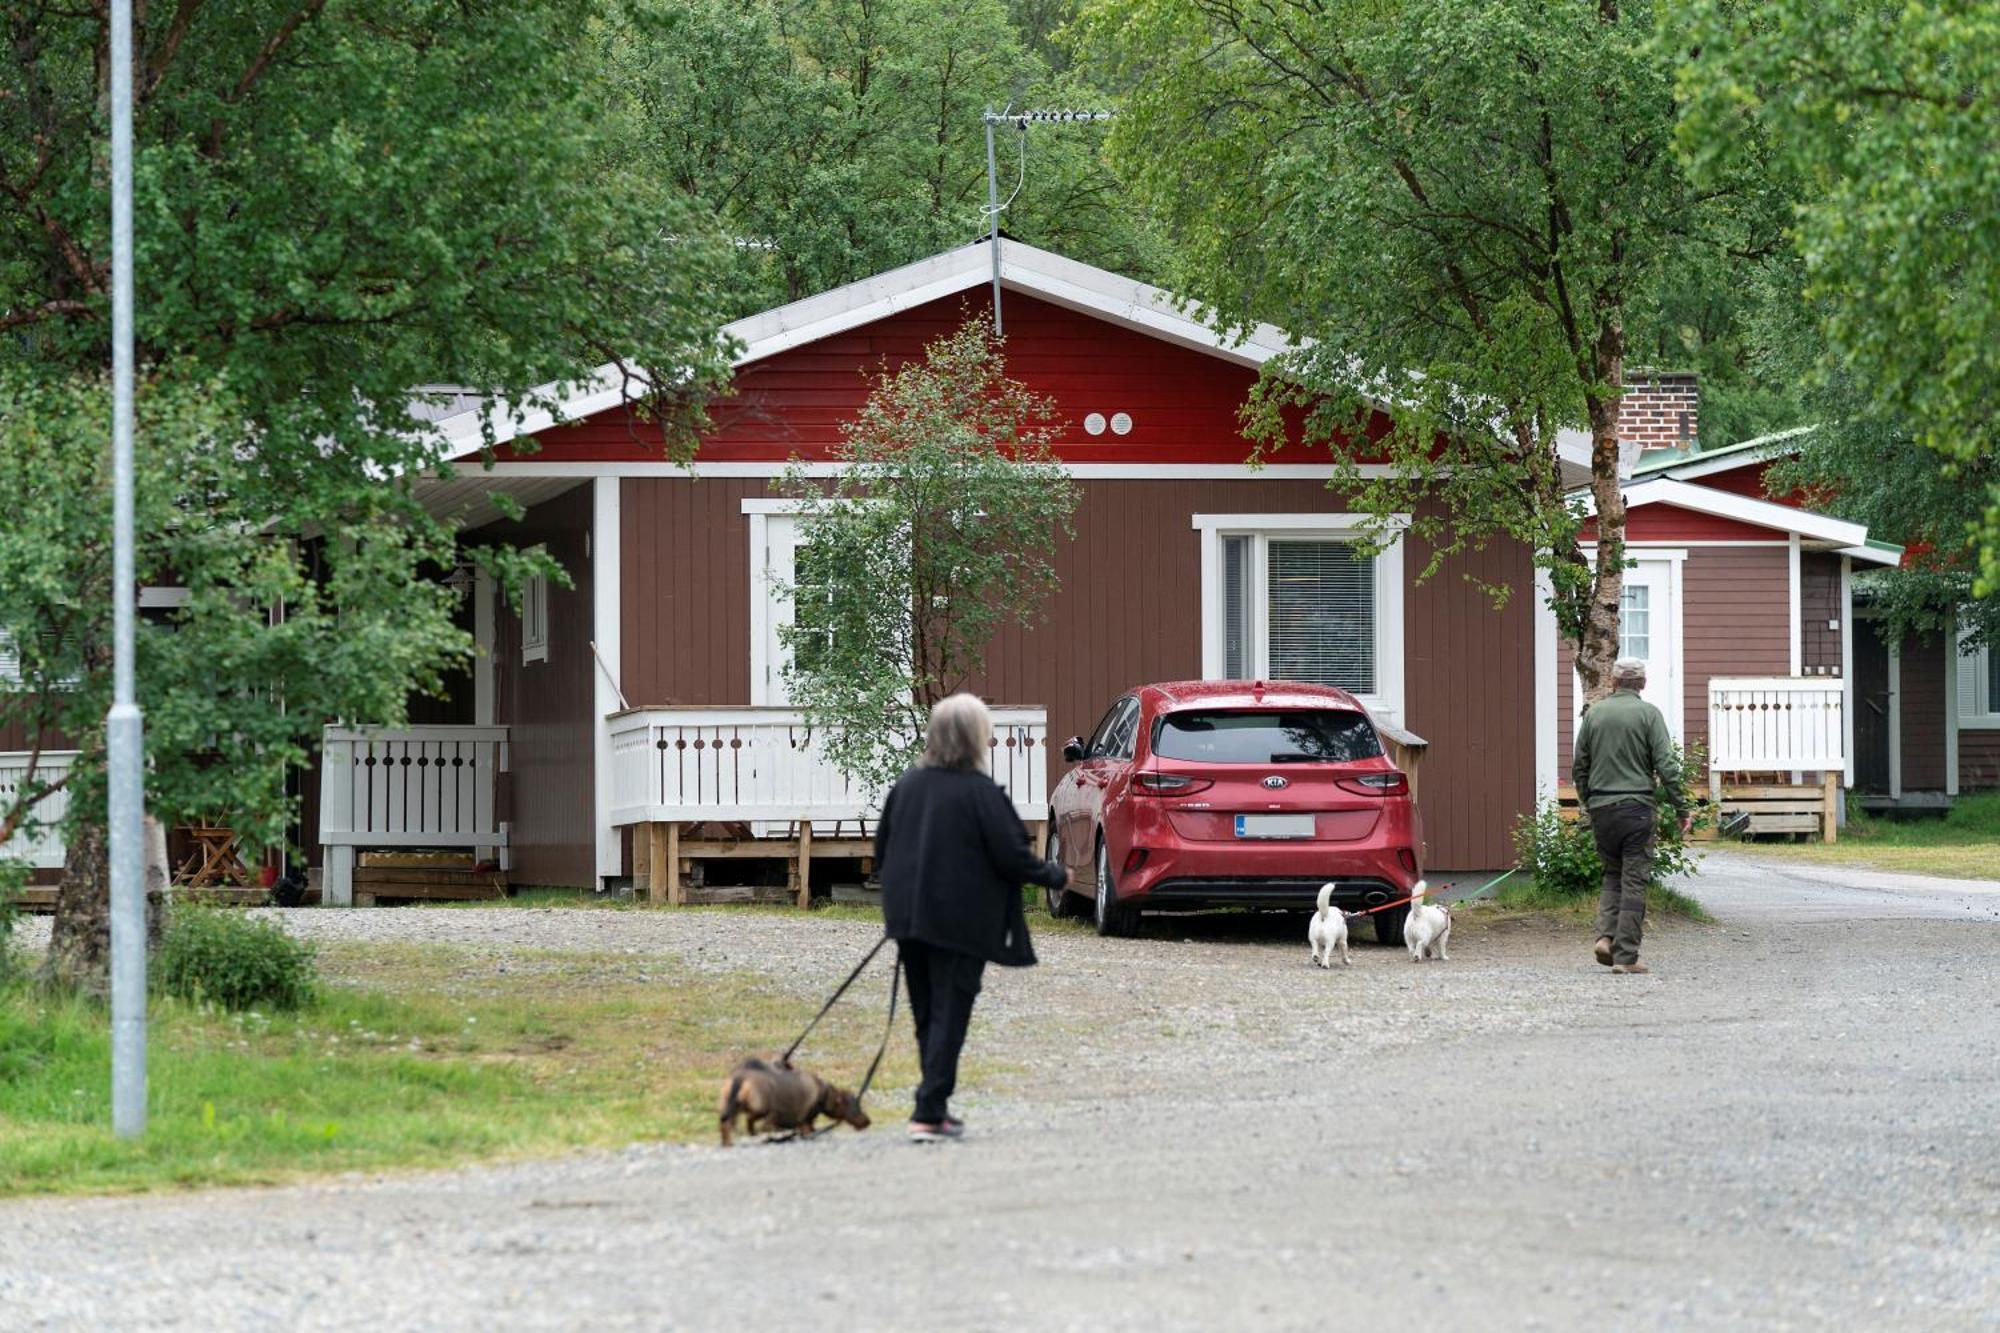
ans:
(1792, 1124)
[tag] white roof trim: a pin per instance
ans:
(1873, 554)
(1023, 268)
(1761, 513)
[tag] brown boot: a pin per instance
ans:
(1631, 968)
(1603, 950)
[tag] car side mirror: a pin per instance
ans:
(1073, 750)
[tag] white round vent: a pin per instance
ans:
(1094, 423)
(1121, 424)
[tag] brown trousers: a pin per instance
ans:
(1625, 833)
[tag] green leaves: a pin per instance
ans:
(1890, 116)
(935, 534)
(1454, 205)
(336, 206)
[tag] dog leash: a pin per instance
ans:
(1479, 892)
(832, 999)
(888, 1026)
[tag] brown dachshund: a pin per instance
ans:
(778, 1096)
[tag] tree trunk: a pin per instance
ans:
(1597, 644)
(79, 956)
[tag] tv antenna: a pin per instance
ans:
(1020, 120)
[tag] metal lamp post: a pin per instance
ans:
(124, 729)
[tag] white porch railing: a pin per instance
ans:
(1774, 724)
(41, 847)
(406, 787)
(680, 765)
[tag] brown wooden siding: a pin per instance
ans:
(684, 587)
(548, 706)
(1128, 612)
(1922, 686)
(1819, 613)
(1735, 618)
(1735, 621)
(1978, 760)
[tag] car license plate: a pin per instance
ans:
(1274, 826)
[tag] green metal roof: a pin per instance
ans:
(1662, 462)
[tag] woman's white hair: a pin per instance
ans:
(960, 735)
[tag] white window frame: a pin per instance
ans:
(535, 619)
(1386, 702)
(1984, 714)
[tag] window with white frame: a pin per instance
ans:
(535, 619)
(1302, 597)
(1635, 622)
(1978, 686)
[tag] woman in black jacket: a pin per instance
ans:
(952, 856)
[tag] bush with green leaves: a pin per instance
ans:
(1561, 854)
(219, 956)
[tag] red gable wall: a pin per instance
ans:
(1183, 403)
(1669, 523)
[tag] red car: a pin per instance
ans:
(1229, 793)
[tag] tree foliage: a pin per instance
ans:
(838, 138)
(1889, 114)
(1456, 206)
(934, 535)
(335, 206)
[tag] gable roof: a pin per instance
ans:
(1689, 464)
(1023, 268)
(1077, 286)
(1850, 539)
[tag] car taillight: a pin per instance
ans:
(1376, 784)
(1407, 859)
(1169, 784)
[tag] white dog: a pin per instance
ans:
(1427, 929)
(1328, 931)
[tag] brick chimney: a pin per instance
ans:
(1660, 410)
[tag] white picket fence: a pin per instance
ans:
(1776, 724)
(40, 846)
(680, 765)
(430, 787)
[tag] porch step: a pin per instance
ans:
(373, 883)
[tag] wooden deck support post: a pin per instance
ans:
(805, 889)
(661, 870)
(676, 886)
(1830, 801)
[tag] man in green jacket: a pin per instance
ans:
(1622, 747)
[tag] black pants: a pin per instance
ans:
(943, 984)
(1624, 834)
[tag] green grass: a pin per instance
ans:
(415, 1057)
(1527, 895)
(1965, 844)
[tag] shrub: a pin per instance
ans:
(1562, 855)
(216, 955)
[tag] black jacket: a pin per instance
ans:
(952, 856)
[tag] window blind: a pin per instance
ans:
(1321, 599)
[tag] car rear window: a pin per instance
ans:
(1266, 736)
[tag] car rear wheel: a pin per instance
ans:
(1112, 918)
(1060, 902)
(1389, 925)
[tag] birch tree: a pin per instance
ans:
(1456, 206)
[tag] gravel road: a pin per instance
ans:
(1791, 1124)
